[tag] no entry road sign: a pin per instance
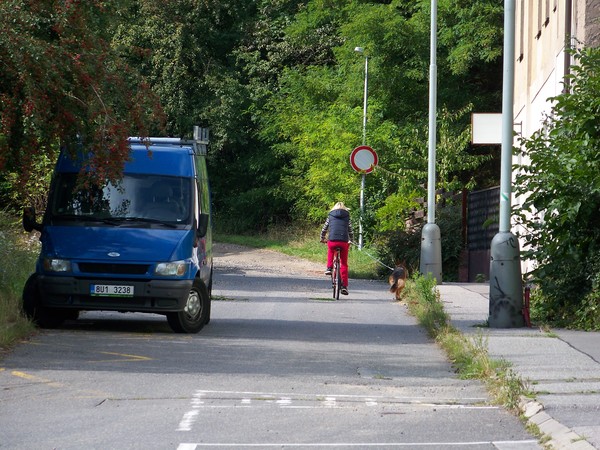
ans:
(363, 159)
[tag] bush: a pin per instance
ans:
(28, 183)
(561, 211)
(405, 246)
(21, 251)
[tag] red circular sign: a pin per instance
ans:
(363, 159)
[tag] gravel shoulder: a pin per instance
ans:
(237, 257)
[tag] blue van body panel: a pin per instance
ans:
(131, 244)
(166, 160)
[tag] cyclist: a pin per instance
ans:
(340, 233)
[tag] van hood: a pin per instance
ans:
(116, 244)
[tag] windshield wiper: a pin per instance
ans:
(118, 220)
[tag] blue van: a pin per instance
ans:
(143, 244)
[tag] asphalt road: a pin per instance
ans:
(280, 365)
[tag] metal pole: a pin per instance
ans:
(506, 285)
(363, 178)
(432, 116)
(364, 142)
(362, 210)
(364, 137)
(431, 246)
(508, 87)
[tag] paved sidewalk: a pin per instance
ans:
(562, 367)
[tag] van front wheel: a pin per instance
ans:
(33, 309)
(194, 315)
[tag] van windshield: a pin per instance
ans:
(136, 197)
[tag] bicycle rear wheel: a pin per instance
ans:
(333, 280)
(336, 278)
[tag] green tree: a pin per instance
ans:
(561, 207)
(212, 63)
(61, 85)
(315, 115)
(183, 48)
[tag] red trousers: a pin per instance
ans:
(343, 246)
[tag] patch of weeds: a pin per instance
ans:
(379, 376)
(535, 431)
(469, 355)
(221, 298)
(18, 251)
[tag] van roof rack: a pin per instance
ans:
(199, 142)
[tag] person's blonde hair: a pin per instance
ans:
(340, 205)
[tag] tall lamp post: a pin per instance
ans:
(506, 286)
(364, 142)
(431, 244)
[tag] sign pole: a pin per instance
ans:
(362, 211)
(364, 142)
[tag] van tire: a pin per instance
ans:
(33, 309)
(209, 289)
(196, 312)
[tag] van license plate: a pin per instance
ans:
(110, 290)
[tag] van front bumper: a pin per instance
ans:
(158, 296)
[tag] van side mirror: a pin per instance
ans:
(202, 225)
(29, 220)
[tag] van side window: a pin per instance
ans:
(202, 183)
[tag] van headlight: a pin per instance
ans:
(57, 265)
(171, 269)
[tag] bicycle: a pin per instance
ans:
(336, 274)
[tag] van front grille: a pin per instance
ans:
(121, 269)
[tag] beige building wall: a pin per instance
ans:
(542, 28)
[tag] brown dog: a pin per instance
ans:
(397, 280)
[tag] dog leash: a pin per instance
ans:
(371, 256)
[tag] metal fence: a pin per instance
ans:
(482, 225)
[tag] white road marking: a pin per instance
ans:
(272, 395)
(330, 402)
(188, 420)
(526, 444)
(284, 401)
(206, 399)
(190, 417)
(233, 399)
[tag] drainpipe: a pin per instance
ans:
(568, 41)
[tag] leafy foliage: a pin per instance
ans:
(62, 85)
(561, 191)
(405, 245)
(314, 117)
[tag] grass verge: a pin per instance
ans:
(17, 256)
(469, 355)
